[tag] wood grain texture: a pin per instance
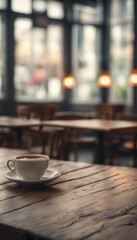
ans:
(15, 122)
(87, 202)
(97, 125)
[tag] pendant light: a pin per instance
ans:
(133, 78)
(69, 81)
(105, 80)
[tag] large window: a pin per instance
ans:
(85, 55)
(38, 69)
(86, 42)
(38, 61)
(88, 14)
(33, 56)
(38, 50)
(121, 49)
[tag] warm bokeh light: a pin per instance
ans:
(104, 80)
(133, 78)
(69, 81)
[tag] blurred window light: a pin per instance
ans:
(21, 6)
(39, 6)
(85, 62)
(54, 88)
(22, 27)
(55, 9)
(121, 49)
(38, 60)
(121, 10)
(88, 14)
(3, 4)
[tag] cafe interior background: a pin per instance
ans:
(42, 42)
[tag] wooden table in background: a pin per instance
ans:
(17, 125)
(99, 127)
(93, 202)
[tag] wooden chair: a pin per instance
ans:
(107, 111)
(38, 111)
(75, 138)
(127, 142)
(42, 135)
(127, 117)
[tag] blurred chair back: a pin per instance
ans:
(129, 141)
(108, 111)
(37, 135)
(39, 111)
(71, 115)
(75, 138)
(127, 117)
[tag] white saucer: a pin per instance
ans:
(49, 176)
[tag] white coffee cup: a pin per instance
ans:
(30, 167)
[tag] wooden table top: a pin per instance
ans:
(86, 202)
(16, 122)
(97, 125)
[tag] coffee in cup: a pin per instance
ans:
(29, 167)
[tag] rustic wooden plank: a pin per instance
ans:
(77, 210)
(67, 166)
(11, 190)
(16, 122)
(122, 227)
(86, 202)
(73, 221)
(98, 125)
(76, 174)
(83, 178)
